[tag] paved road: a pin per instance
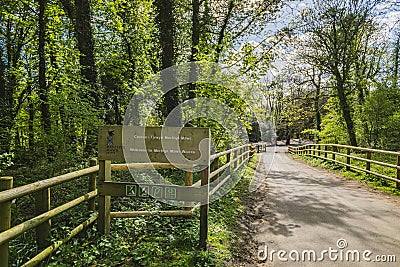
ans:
(306, 208)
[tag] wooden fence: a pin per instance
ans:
(41, 222)
(235, 158)
(331, 151)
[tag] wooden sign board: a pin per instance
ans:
(157, 191)
(110, 143)
(135, 144)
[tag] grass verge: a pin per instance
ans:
(373, 181)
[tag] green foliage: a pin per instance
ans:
(311, 134)
(341, 43)
(333, 126)
(380, 118)
(6, 161)
(126, 52)
(159, 241)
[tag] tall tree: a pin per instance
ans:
(16, 25)
(396, 61)
(85, 43)
(43, 90)
(195, 44)
(78, 12)
(337, 30)
(235, 20)
(166, 25)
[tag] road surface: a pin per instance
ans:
(300, 210)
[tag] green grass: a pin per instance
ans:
(158, 241)
(373, 181)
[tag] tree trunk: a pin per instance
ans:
(78, 12)
(7, 87)
(222, 32)
(288, 135)
(195, 44)
(396, 62)
(43, 93)
(346, 112)
(31, 136)
(317, 111)
(4, 109)
(288, 139)
(84, 37)
(166, 24)
(2, 75)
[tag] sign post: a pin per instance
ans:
(204, 210)
(103, 222)
(150, 148)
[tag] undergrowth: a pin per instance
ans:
(146, 241)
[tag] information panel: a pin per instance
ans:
(157, 191)
(135, 144)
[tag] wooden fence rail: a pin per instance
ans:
(234, 159)
(315, 150)
(43, 213)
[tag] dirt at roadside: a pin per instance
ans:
(248, 222)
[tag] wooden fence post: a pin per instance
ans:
(205, 174)
(43, 231)
(228, 159)
(398, 173)
(368, 164)
(348, 159)
(92, 185)
(5, 218)
(334, 150)
(103, 222)
(188, 178)
(216, 166)
(234, 157)
(189, 182)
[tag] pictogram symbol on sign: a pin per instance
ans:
(131, 191)
(170, 193)
(143, 191)
(157, 191)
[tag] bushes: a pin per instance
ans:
(379, 124)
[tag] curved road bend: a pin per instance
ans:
(307, 208)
